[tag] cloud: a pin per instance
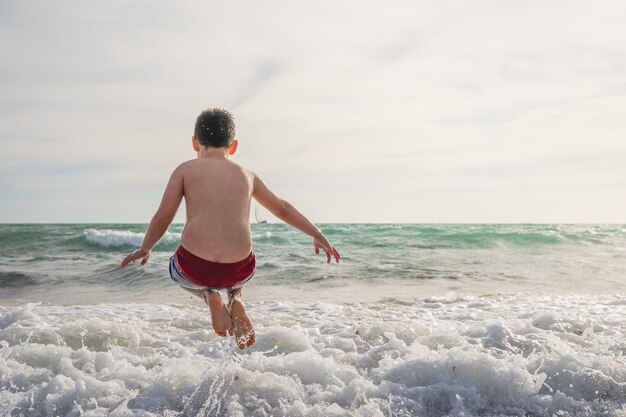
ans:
(386, 111)
(263, 73)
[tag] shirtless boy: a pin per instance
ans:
(216, 246)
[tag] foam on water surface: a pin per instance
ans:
(461, 356)
(113, 238)
(107, 238)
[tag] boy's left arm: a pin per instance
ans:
(161, 220)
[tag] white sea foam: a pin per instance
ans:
(107, 238)
(461, 356)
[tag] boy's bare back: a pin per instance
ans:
(217, 195)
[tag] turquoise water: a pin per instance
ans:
(37, 258)
(418, 320)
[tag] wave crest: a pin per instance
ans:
(107, 238)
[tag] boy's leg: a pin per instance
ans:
(244, 330)
(220, 318)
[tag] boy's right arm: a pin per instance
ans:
(161, 220)
(290, 215)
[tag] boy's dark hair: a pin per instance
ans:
(215, 128)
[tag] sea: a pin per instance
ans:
(416, 320)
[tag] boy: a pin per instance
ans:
(216, 246)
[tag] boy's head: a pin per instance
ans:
(215, 128)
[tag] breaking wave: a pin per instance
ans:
(108, 238)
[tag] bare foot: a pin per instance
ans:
(244, 330)
(222, 323)
(220, 319)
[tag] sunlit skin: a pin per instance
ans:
(218, 193)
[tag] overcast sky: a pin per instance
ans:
(355, 111)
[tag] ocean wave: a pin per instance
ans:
(486, 356)
(107, 238)
(265, 235)
(113, 238)
(11, 279)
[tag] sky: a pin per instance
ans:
(354, 111)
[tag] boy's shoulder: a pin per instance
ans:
(183, 167)
(194, 164)
(187, 163)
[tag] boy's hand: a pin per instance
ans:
(323, 243)
(142, 254)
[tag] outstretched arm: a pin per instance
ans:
(161, 220)
(290, 215)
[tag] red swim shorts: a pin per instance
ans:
(207, 274)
